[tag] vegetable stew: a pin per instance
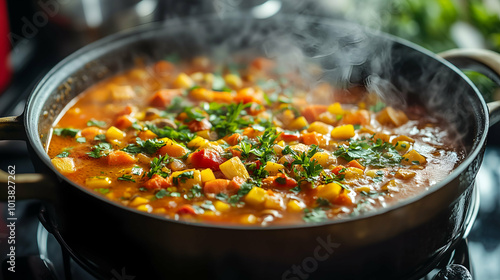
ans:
(243, 143)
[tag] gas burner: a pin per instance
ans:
(58, 261)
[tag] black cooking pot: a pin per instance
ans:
(390, 243)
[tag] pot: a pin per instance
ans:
(390, 243)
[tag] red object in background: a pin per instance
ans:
(5, 71)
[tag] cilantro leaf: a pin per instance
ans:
(97, 123)
(157, 165)
(125, 177)
(97, 150)
(315, 215)
(72, 132)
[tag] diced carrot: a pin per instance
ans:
(361, 117)
(336, 169)
(196, 126)
(310, 138)
(248, 95)
(250, 132)
(163, 97)
(235, 153)
(186, 209)
(288, 137)
(90, 132)
(163, 67)
(223, 97)
(235, 184)
(312, 112)
(391, 116)
(127, 110)
(157, 182)
(343, 199)
(120, 158)
(356, 164)
(234, 139)
(123, 122)
(216, 186)
(280, 181)
(202, 94)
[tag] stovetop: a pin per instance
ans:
(36, 249)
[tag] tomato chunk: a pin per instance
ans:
(157, 182)
(216, 186)
(186, 209)
(206, 158)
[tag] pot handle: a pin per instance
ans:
(483, 61)
(15, 186)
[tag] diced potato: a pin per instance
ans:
(184, 181)
(402, 146)
(299, 148)
(363, 189)
(405, 174)
(353, 173)
(402, 138)
(172, 148)
(329, 191)
(295, 206)
(273, 168)
(248, 219)
(382, 136)
(213, 146)
(207, 134)
(298, 123)
(320, 127)
(392, 185)
(207, 175)
(197, 142)
(138, 200)
(391, 116)
(98, 182)
(233, 80)
(256, 196)
(183, 81)
(121, 93)
(233, 168)
(413, 157)
(64, 165)
(221, 206)
(323, 158)
(336, 109)
(343, 132)
(273, 202)
(114, 133)
(145, 208)
(373, 173)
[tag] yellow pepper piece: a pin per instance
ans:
(273, 168)
(336, 109)
(402, 146)
(145, 208)
(256, 196)
(295, 206)
(319, 127)
(413, 157)
(183, 81)
(323, 158)
(197, 142)
(233, 80)
(329, 191)
(207, 175)
(273, 202)
(114, 133)
(221, 206)
(64, 165)
(298, 123)
(98, 182)
(233, 168)
(185, 181)
(343, 132)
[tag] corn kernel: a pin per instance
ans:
(336, 109)
(405, 174)
(298, 123)
(320, 127)
(295, 206)
(323, 158)
(343, 132)
(234, 167)
(98, 182)
(221, 206)
(256, 196)
(329, 191)
(114, 133)
(413, 157)
(183, 81)
(233, 80)
(64, 165)
(138, 201)
(273, 168)
(145, 208)
(207, 175)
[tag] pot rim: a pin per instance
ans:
(103, 46)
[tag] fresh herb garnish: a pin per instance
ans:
(370, 153)
(102, 190)
(99, 149)
(244, 190)
(315, 215)
(157, 165)
(72, 132)
(227, 119)
(309, 170)
(97, 123)
(81, 140)
(182, 133)
(149, 146)
(126, 177)
(100, 137)
(183, 177)
(136, 170)
(194, 192)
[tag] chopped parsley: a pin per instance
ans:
(370, 153)
(102, 190)
(149, 146)
(97, 123)
(99, 150)
(227, 119)
(182, 133)
(157, 164)
(126, 177)
(315, 215)
(100, 137)
(71, 132)
(81, 140)
(183, 177)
